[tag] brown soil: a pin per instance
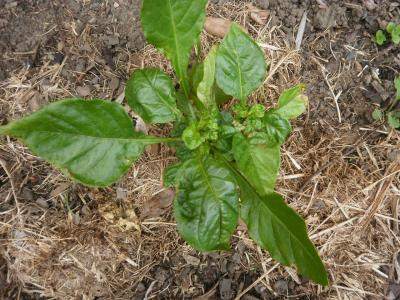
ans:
(66, 241)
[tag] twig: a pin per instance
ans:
(328, 164)
(380, 193)
(4, 166)
(146, 296)
(335, 96)
(256, 282)
(300, 32)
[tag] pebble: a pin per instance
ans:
(42, 203)
(83, 91)
(114, 83)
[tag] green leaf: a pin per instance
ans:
(174, 26)
(171, 175)
(380, 37)
(258, 162)
(276, 128)
(205, 89)
(377, 114)
(191, 136)
(396, 35)
(240, 66)
(279, 229)
(292, 103)
(397, 86)
(390, 27)
(394, 119)
(91, 141)
(206, 206)
(151, 94)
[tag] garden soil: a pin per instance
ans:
(340, 168)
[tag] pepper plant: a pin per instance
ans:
(392, 112)
(229, 159)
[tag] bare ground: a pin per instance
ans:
(340, 170)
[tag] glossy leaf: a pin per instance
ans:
(192, 137)
(205, 89)
(151, 94)
(276, 129)
(91, 141)
(279, 229)
(206, 206)
(174, 26)
(292, 103)
(240, 64)
(258, 162)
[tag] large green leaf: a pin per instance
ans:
(174, 26)
(280, 230)
(276, 128)
(206, 206)
(292, 103)
(151, 94)
(91, 141)
(240, 64)
(205, 89)
(258, 162)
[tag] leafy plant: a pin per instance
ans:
(229, 160)
(392, 114)
(392, 32)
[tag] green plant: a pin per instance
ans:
(392, 114)
(229, 161)
(392, 31)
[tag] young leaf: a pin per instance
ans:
(174, 26)
(91, 141)
(377, 114)
(380, 37)
(240, 66)
(205, 89)
(390, 27)
(396, 34)
(192, 137)
(258, 162)
(393, 118)
(292, 103)
(151, 94)
(280, 230)
(397, 86)
(206, 206)
(276, 128)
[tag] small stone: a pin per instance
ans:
(27, 194)
(122, 194)
(58, 58)
(42, 203)
(281, 287)
(141, 287)
(394, 155)
(83, 91)
(114, 83)
(76, 219)
(11, 5)
(85, 210)
(225, 289)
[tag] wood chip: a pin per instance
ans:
(217, 26)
